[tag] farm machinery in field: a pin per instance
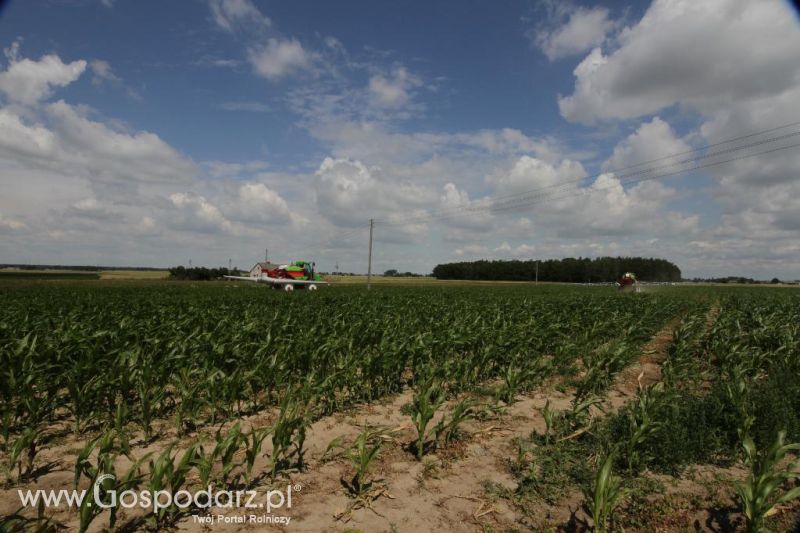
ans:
(297, 270)
(298, 274)
(627, 283)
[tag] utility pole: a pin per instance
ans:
(537, 271)
(190, 263)
(229, 265)
(266, 255)
(369, 264)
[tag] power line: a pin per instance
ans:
(706, 147)
(496, 203)
(617, 171)
(637, 180)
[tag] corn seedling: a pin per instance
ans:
(447, 430)
(167, 473)
(549, 416)
(427, 400)
(641, 424)
(362, 453)
(580, 415)
(225, 447)
(758, 492)
(289, 433)
(604, 495)
(254, 440)
(106, 450)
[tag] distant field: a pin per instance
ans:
(47, 274)
(134, 274)
(13, 273)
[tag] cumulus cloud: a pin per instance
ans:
(475, 218)
(531, 174)
(66, 140)
(279, 58)
(259, 203)
(348, 192)
(104, 154)
(27, 82)
(232, 15)
(194, 213)
(577, 30)
(652, 140)
(556, 200)
(704, 55)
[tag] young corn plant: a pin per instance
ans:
(362, 454)
(107, 449)
(580, 415)
(427, 400)
(758, 491)
(24, 448)
(224, 452)
(602, 366)
(549, 416)
(289, 432)
(641, 423)
(254, 441)
(168, 474)
(604, 496)
(447, 430)
(519, 375)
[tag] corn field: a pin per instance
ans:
(116, 367)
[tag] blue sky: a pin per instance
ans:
(149, 133)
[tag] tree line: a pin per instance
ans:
(200, 273)
(569, 270)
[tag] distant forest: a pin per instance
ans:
(569, 270)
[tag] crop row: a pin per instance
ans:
(730, 394)
(94, 358)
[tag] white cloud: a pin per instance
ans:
(232, 15)
(65, 142)
(531, 174)
(60, 137)
(704, 55)
(348, 193)
(104, 154)
(475, 217)
(279, 58)
(582, 29)
(27, 82)
(196, 214)
(257, 202)
(652, 140)
(395, 90)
